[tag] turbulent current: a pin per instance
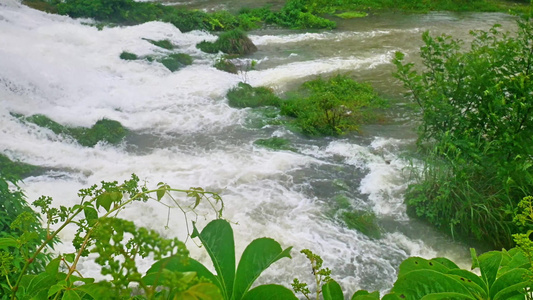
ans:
(185, 134)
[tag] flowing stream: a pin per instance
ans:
(186, 135)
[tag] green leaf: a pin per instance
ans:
(471, 281)
(104, 200)
(91, 215)
(270, 292)
(489, 264)
(177, 264)
(41, 282)
(8, 242)
(418, 263)
(98, 290)
(512, 278)
(70, 295)
(201, 291)
(419, 283)
(332, 291)
(56, 288)
(365, 295)
(69, 257)
(256, 258)
(446, 296)
(475, 262)
(217, 238)
(160, 193)
(52, 267)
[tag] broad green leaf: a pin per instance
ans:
(332, 291)
(446, 262)
(418, 263)
(201, 291)
(489, 264)
(473, 255)
(217, 238)
(69, 257)
(256, 258)
(70, 295)
(41, 282)
(160, 193)
(509, 279)
(104, 200)
(56, 288)
(471, 281)
(365, 295)
(447, 296)
(513, 292)
(419, 283)
(53, 266)
(270, 292)
(99, 290)
(74, 278)
(177, 264)
(8, 242)
(91, 215)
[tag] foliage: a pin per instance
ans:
(352, 14)
(128, 56)
(321, 276)
(362, 221)
(176, 61)
(117, 243)
(332, 107)
(13, 171)
(103, 130)
(275, 143)
(226, 65)
(231, 42)
(165, 44)
(477, 118)
(217, 238)
(244, 95)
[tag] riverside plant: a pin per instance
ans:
(117, 243)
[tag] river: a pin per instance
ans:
(185, 134)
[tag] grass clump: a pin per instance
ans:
(231, 42)
(352, 14)
(128, 56)
(362, 221)
(224, 64)
(165, 44)
(103, 130)
(176, 61)
(274, 143)
(331, 107)
(244, 95)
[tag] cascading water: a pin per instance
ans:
(185, 134)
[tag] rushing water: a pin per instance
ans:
(186, 135)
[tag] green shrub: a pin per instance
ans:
(176, 61)
(477, 119)
(230, 42)
(186, 20)
(331, 107)
(275, 143)
(244, 95)
(226, 65)
(128, 56)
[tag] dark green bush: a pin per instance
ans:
(332, 107)
(128, 56)
(244, 95)
(230, 42)
(176, 61)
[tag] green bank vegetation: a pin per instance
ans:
(475, 132)
(104, 130)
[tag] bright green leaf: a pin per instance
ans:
(70, 295)
(104, 200)
(256, 258)
(332, 291)
(8, 242)
(270, 292)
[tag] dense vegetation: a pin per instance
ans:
(475, 133)
(104, 130)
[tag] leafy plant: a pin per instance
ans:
(231, 42)
(217, 238)
(226, 65)
(244, 95)
(332, 107)
(117, 244)
(477, 120)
